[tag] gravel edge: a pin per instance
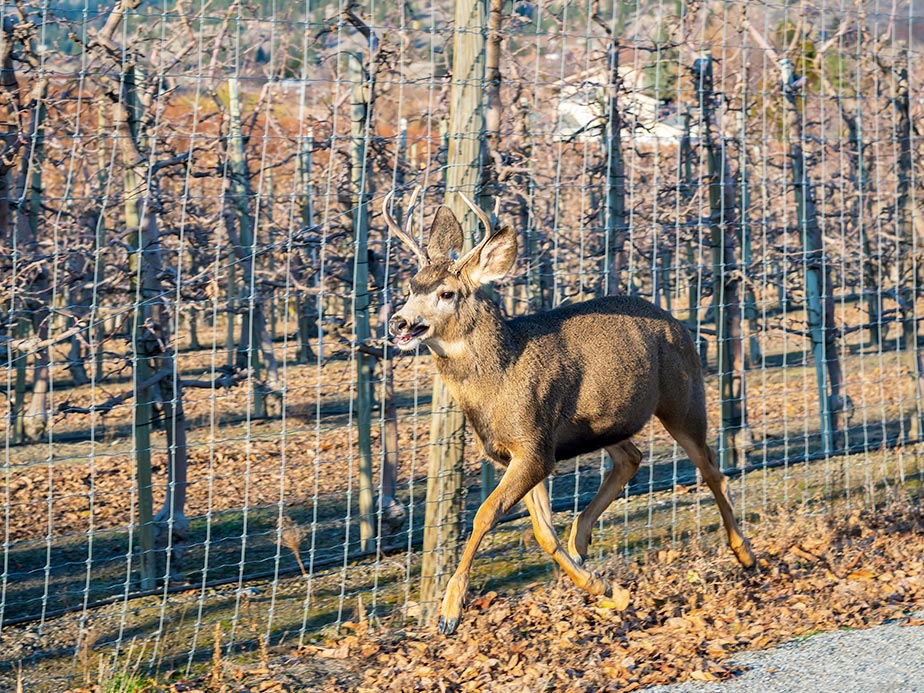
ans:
(881, 659)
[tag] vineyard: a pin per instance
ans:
(209, 440)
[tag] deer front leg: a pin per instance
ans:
(540, 512)
(521, 475)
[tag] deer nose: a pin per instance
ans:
(397, 325)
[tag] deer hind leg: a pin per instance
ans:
(703, 456)
(540, 512)
(626, 460)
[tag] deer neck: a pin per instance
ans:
(480, 346)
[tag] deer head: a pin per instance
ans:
(444, 300)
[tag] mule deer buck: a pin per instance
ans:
(550, 386)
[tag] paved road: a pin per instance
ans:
(884, 659)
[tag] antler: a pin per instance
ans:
(480, 213)
(405, 233)
(488, 229)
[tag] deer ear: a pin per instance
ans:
(445, 235)
(493, 258)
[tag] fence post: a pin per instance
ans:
(445, 509)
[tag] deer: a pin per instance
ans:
(549, 386)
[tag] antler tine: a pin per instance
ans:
(404, 234)
(480, 213)
(411, 208)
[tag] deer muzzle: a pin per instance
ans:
(407, 333)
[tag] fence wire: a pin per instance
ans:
(207, 438)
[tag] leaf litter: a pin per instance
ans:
(692, 608)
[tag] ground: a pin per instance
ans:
(693, 608)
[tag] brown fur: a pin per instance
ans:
(550, 386)
(570, 378)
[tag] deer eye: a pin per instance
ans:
(447, 295)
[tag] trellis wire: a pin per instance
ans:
(273, 550)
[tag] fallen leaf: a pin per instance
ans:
(619, 601)
(483, 602)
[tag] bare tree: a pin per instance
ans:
(19, 220)
(154, 351)
(725, 273)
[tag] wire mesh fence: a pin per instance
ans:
(207, 437)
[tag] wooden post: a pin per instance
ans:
(444, 515)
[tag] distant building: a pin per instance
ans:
(582, 110)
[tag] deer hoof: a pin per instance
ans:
(447, 626)
(579, 557)
(746, 556)
(451, 608)
(596, 584)
(577, 549)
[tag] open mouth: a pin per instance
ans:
(409, 339)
